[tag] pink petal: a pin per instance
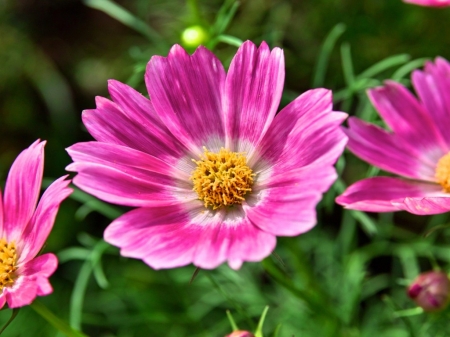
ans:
(140, 110)
(186, 93)
(125, 159)
(43, 265)
(176, 236)
(44, 287)
(304, 132)
(22, 190)
(2, 299)
(431, 3)
(388, 194)
(110, 124)
(407, 118)
(253, 91)
(134, 188)
(286, 205)
(387, 151)
(38, 229)
(433, 88)
(21, 293)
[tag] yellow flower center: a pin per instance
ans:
(8, 260)
(222, 179)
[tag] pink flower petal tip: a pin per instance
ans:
(214, 175)
(429, 3)
(417, 148)
(24, 226)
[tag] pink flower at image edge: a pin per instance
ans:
(169, 157)
(429, 3)
(417, 149)
(25, 227)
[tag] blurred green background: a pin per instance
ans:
(56, 56)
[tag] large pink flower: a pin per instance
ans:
(430, 3)
(214, 176)
(24, 229)
(417, 148)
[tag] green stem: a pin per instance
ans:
(13, 315)
(258, 332)
(56, 322)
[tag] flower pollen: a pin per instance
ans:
(8, 258)
(443, 172)
(222, 179)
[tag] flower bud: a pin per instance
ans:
(240, 333)
(194, 36)
(430, 290)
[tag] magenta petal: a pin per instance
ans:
(124, 159)
(186, 93)
(386, 151)
(407, 117)
(176, 236)
(286, 205)
(22, 190)
(386, 194)
(23, 292)
(253, 91)
(43, 265)
(38, 229)
(433, 88)
(431, 3)
(306, 123)
(110, 124)
(160, 236)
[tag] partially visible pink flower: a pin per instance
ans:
(214, 174)
(417, 148)
(240, 333)
(430, 3)
(25, 227)
(431, 290)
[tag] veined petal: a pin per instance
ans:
(22, 190)
(186, 93)
(433, 88)
(21, 293)
(425, 205)
(387, 194)
(38, 229)
(110, 124)
(286, 204)
(407, 118)
(305, 131)
(125, 159)
(140, 110)
(176, 236)
(44, 265)
(135, 187)
(253, 91)
(387, 151)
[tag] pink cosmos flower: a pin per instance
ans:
(25, 227)
(417, 148)
(214, 176)
(431, 3)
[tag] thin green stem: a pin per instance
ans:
(56, 322)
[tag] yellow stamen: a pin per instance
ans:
(8, 260)
(222, 179)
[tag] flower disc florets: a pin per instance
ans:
(222, 179)
(8, 260)
(443, 172)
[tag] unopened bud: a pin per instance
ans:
(430, 290)
(194, 36)
(240, 333)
